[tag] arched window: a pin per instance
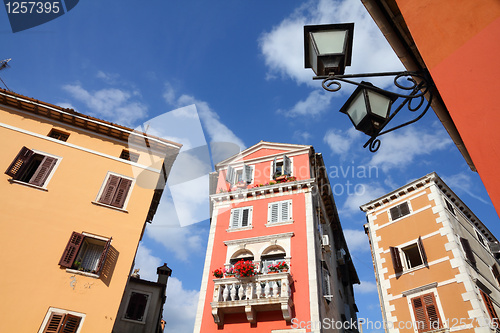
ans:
(241, 255)
(271, 256)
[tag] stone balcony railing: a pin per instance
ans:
(251, 295)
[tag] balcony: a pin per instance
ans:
(251, 295)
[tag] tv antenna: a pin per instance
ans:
(3, 65)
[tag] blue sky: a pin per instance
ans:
(241, 64)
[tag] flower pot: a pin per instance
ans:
(280, 178)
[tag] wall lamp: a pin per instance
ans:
(328, 50)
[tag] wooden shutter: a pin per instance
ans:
(489, 307)
(273, 212)
(16, 168)
(394, 211)
(284, 210)
(55, 322)
(247, 173)
(287, 165)
(235, 216)
(71, 324)
(468, 250)
(422, 251)
(102, 258)
(109, 190)
(404, 209)
(496, 273)
(71, 249)
(42, 173)
(121, 193)
(396, 259)
(230, 175)
(426, 313)
(273, 169)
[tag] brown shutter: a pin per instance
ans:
(109, 189)
(54, 323)
(496, 273)
(43, 171)
(102, 258)
(396, 259)
(468, 250)
(17, 166)
(394, 213)
(422, 251)
(426, 313)
(121, 193)
(489, 307)
(71, 324)
(404, 209)
(71, 250)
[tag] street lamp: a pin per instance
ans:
(328, 49)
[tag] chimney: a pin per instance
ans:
(163, 274)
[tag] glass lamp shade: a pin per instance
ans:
(328, 47)
(368, 109)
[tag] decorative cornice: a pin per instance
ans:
(259, 239)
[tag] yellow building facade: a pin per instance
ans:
(435, 261)
(74, 201)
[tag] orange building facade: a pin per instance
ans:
(273, 209)
(74, 199)
(457, 43)
(435, 262)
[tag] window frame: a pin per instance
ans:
(232, 174)
(400, 258)
(450, 207)
(467, 250)
(46, 320)
(490, 307)
(72, 252)
(57, 134)
(274, 165)
(280, 220)
(25, 157)
(437, 309)
(99, 198)
(146, 308)
(240, 226)
(400, 213)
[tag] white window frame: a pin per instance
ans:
(103, 186)
(280, 160)
(143, 321)
(280, 220)
(51, 173)
(411, 296)
(234, 180)
(56, 310)
(404, 257)
(92, 236)
(240, 227)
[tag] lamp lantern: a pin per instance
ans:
(328, 47)
(368, 107)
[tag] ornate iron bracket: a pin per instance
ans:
(418, 87)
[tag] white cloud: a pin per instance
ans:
(302, 136)
(365, 287)
(316, 103)
(340, 141)
(360, 194)
(180, 307)
(402, 147)
(112, 104)
(357, 241)
(147, 263)
(282, 47)
(463, 182)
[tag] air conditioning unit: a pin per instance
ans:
(325, 242)
(341, 256)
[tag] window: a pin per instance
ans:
(85, 253)
(399, 211)
(281, 168)
(137, 305)
(280, 211)
(59, 135)
(327, 289)
(129, 156)
(480, 238)
(61, 321)
(115, 191)
(496, 273)
(271, 259)
(240, 176)
(450, 207)
(408, 257)
(32, 167)
(426, 313)
(241, 217)
(489, 306)
(468, 251)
